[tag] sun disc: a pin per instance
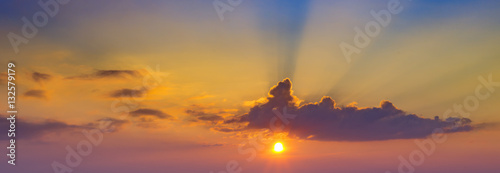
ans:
(278, 147)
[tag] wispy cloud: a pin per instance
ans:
(107, 74)
(126, 92)
(212, 145)
(40, 77)
(204, 116)
(150, 112)
(41, 94)
(33, 130)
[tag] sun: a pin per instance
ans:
(278, 147)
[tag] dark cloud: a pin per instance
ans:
(40, 77)
(108, 74)
(364, 124)
(41, 94)
(25, 129)
(280, 95)
(326, 121)
(141, 113)
(128, 93)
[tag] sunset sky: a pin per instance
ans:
(185, 90)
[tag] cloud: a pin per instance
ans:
(108, 124)
(128, 93)
(280, 95)
(326, 121)
(150, 112)
(212, 145)
(26, 129)
(223, 129)
(40, 77)
(30, 129)
(41, 94)
(149, 118)
(99, 74)
(203, 116)
(213, 118)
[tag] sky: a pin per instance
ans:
(210, 86)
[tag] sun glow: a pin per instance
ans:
(278, 147)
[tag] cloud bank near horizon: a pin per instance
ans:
(38, 129)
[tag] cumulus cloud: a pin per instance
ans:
(280, 95)
(40, 77)
(41, 94)
(326, 121)
(108, 74)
